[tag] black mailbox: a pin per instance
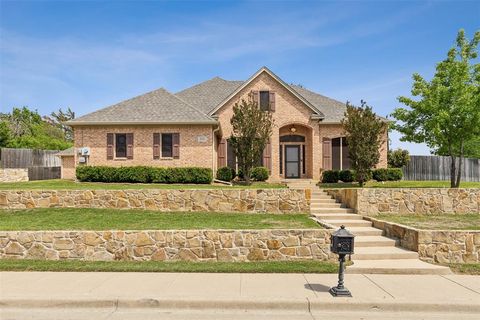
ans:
(342, 242)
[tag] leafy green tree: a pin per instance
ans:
(447, 114)
(5, 134)
(363, 131)
(398, 158)
(252, 129)
(23, 128)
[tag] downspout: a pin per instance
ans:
(213, 148)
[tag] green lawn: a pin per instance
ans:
(106, 219)
(72, 185)
(401, 184)
(437, 221)
(465, 268)
(177, 266)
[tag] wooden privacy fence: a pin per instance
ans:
(438, 168)
(41, 164)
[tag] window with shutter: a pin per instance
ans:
(110, 146)
(120, 145)
(167, 145)
(176, 145)
(156, 146)
(264, 100)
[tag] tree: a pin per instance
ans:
(23, 128)
(363, 130)
(60, 118)
(252, 129)
(447, 114)
(398, 158)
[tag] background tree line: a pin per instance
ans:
(24, 128)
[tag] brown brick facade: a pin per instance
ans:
(199, 143)
(195, 145)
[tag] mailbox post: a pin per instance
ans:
(341, 244)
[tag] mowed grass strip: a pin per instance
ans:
(304, 266)
(58, 184)
(465, 268)
(436, 221)
(114, 219)
(400, 184)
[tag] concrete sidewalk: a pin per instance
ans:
(306, 293)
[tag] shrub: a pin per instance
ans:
(330, 176)
(380, 174)
(394, 174)
(143, 174)
(259, 174)
(398, 158)
(225, 174)
(389, 174)
(346, 175)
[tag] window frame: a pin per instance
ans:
(115, 146)
(267, 93)
(161, 145)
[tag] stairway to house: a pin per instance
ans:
(374, 252)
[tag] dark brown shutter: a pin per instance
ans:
(156, 146)
(176, 145)
(129, 145)
(267, 156)
(255, 97)
(109, 146)
(327, 154)
(272, 101)
(221, 153)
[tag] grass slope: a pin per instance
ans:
(177, 266)
(436, 221)
(105, 219)
(401, 184)
(72, 185)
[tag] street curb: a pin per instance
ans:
(305, 305)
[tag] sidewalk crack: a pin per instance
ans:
(308, 284)
(461, 285)
(378, 286)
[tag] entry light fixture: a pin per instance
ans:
(293, 129)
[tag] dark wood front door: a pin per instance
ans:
(292, 161)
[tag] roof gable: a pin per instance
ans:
(280, 81)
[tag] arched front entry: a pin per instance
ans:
(295, 151)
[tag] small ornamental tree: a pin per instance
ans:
(363, 131)
(252, 129)
(446, 115)
(398, 158)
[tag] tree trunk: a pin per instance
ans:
(459, 172)
(452, 171)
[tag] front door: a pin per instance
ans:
(292, 161)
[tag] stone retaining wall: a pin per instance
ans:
(216, 200)
(161, 245)
(441, 246)
(13, 175)
(372, 201)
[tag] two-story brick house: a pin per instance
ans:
(192, 127)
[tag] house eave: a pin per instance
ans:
(110, 123)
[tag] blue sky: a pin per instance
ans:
(90, 54)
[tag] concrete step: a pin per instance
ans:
(330, 200)
(321, 197)
(350, 223)
(338, 216)
(374, 241)
(325, 205)
(406, 266)
(365, 231)
(331, 210)
(383, 253)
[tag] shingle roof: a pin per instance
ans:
(332, 109)
(194, 104)
(208, 94)
(158, 106)
(67, 152)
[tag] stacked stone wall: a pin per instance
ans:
(13, 175)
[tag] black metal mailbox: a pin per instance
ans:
(342, 241)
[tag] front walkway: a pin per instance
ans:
(303, 293)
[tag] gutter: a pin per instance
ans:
(103, 123)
